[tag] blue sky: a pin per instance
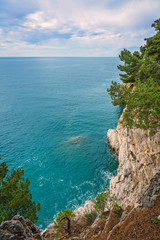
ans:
(89, 28)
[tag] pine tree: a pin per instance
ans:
(143, 70)
(15, 197)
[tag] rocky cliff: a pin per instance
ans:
(138, 176)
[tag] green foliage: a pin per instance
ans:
(101, 200)
(90, 217)
(143, 109)
(152, 47)
(132, 63)
(119, 93)
(143, 70)
(116, 206)
(155, 220)
(106, 199)
(65, 213)
(103, 217)
(15, 195)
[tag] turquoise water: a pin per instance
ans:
(46, 101)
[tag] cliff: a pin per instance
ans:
(138, 175)
(137, 185)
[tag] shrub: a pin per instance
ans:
(65, 213)
(59, 222)
(101, 200)
(90, 217)
(15, 197)
(106, 199)
(116, 207)
(155, 220)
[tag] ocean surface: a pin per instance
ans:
(43, 103)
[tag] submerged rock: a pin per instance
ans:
(75, 140)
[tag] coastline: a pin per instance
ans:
(137, 183)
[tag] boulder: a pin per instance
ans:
(19, 228)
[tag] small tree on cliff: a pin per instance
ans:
(15, 197)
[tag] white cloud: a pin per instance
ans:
(40, 20)
(75, 26)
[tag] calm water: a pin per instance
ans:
(43, 103)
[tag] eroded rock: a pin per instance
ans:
(87, 208)
(19, 229)
(152, 191)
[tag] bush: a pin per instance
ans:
(15, 197)
(155, 220)
(116, 207)
(101, 200)
(90, 217)
(106, 199)
(59, 222)
(65, 213)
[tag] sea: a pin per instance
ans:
(54, 117)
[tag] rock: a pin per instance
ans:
(87, 208)
(19, 229)
(75, 140)
(48, 233)
(139, 159)
(152, 191)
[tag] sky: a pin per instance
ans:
(74, 28)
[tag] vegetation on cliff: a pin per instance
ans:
(15, 197)
(140, 91)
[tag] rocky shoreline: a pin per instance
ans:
(137, 186)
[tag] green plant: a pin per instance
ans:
(90, 217)
(155, 220)
(103, 217)
(116, 206)
(108, 200)
(62, 215)
(15, 197)
(65, 213)
(140, 94)
(101, 200)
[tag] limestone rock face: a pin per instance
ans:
(19, 229)
(139, 161)
(87, 208)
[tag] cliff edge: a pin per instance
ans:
(138, 175)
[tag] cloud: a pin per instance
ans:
(77, 26)
(40, 21)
